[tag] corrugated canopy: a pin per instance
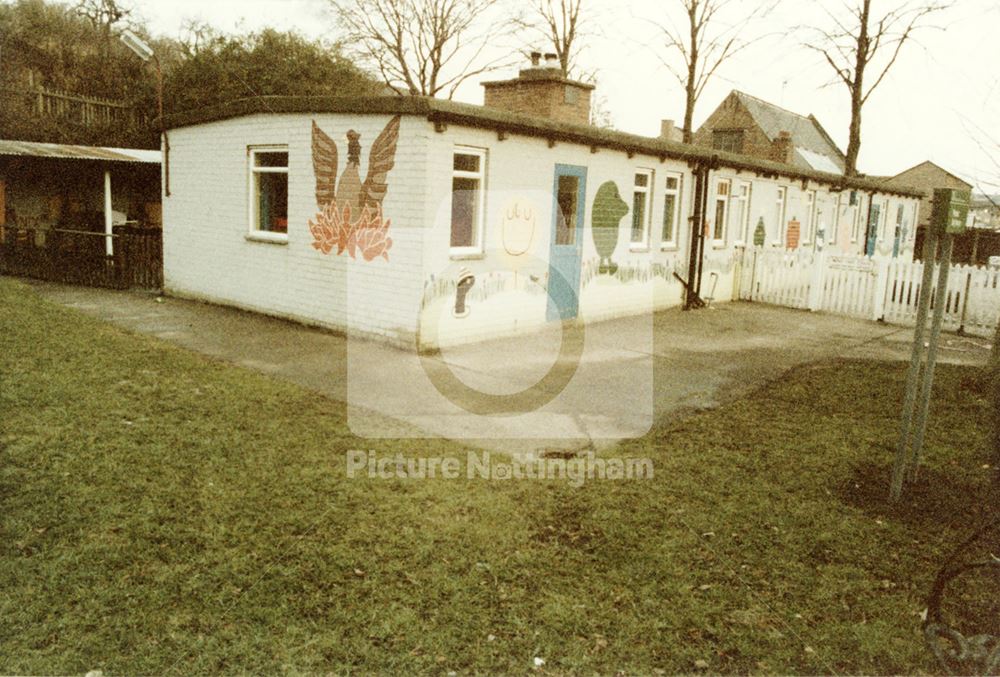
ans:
(68, 152)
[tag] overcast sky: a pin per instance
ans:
(939, 102)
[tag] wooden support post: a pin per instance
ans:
(916, 357)
(108, 218)
(925, 395)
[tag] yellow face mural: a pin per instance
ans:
(518, 223)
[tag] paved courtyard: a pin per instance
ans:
(633, 371)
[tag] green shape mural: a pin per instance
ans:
(759, 233)
(605, 220)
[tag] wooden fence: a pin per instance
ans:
(86, 110)
(871, 288)
(79, 257)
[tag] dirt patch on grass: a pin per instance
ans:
(938, 498)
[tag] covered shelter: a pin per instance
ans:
(60, 207)
(48, 187)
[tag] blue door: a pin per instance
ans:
(873, 216)
(569, 191)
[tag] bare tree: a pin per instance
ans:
(103, 14)
(703, 42)
(561, 24)
(196, 36)
(420, 47)
(862, 45)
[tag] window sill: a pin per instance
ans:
(267, 238)
(718, 244)
(668, 247)
(466, 254)
(638, 248)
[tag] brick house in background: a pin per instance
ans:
(750, 126)
(927, 176)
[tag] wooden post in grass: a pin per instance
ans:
(916, 358)
(951, 207)
(925, 395)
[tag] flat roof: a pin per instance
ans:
(69, 152)
(442, 112)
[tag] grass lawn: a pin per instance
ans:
(164, 513)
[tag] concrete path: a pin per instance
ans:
(632, 372)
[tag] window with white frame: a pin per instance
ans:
(269, 191)
(640, 208)
(467, 194)
(671, 210)
(780, 210)
(741, 212)
(809, 227)
(722, 190)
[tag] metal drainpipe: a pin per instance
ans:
(704, 214)
(697, 236)
(702, 173)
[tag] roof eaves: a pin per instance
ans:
(442, 112)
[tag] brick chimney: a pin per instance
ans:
(669, 131)
(543, 90)
(781, 148)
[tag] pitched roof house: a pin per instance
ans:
(927, 176)
(750, 126)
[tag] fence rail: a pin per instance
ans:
(80, 257)
(876, 289)
(86, 110)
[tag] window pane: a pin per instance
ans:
(272, 202)
(669, 206)
(466, 163)
(566, 197)
(671, 183)
(723, 188)
(736, 216)
(464, 211)
(270, 159)
(720, 219)
(638, 217)
(641, 180)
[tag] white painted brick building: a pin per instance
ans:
(480, 192)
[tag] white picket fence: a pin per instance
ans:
(870, 288)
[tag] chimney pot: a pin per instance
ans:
(551, 60)
(536, 59)
(666, 129)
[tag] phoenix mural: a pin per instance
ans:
(350, 210)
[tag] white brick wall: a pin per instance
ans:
(207, 255)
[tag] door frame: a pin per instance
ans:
(871, 232)
(559, 307)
